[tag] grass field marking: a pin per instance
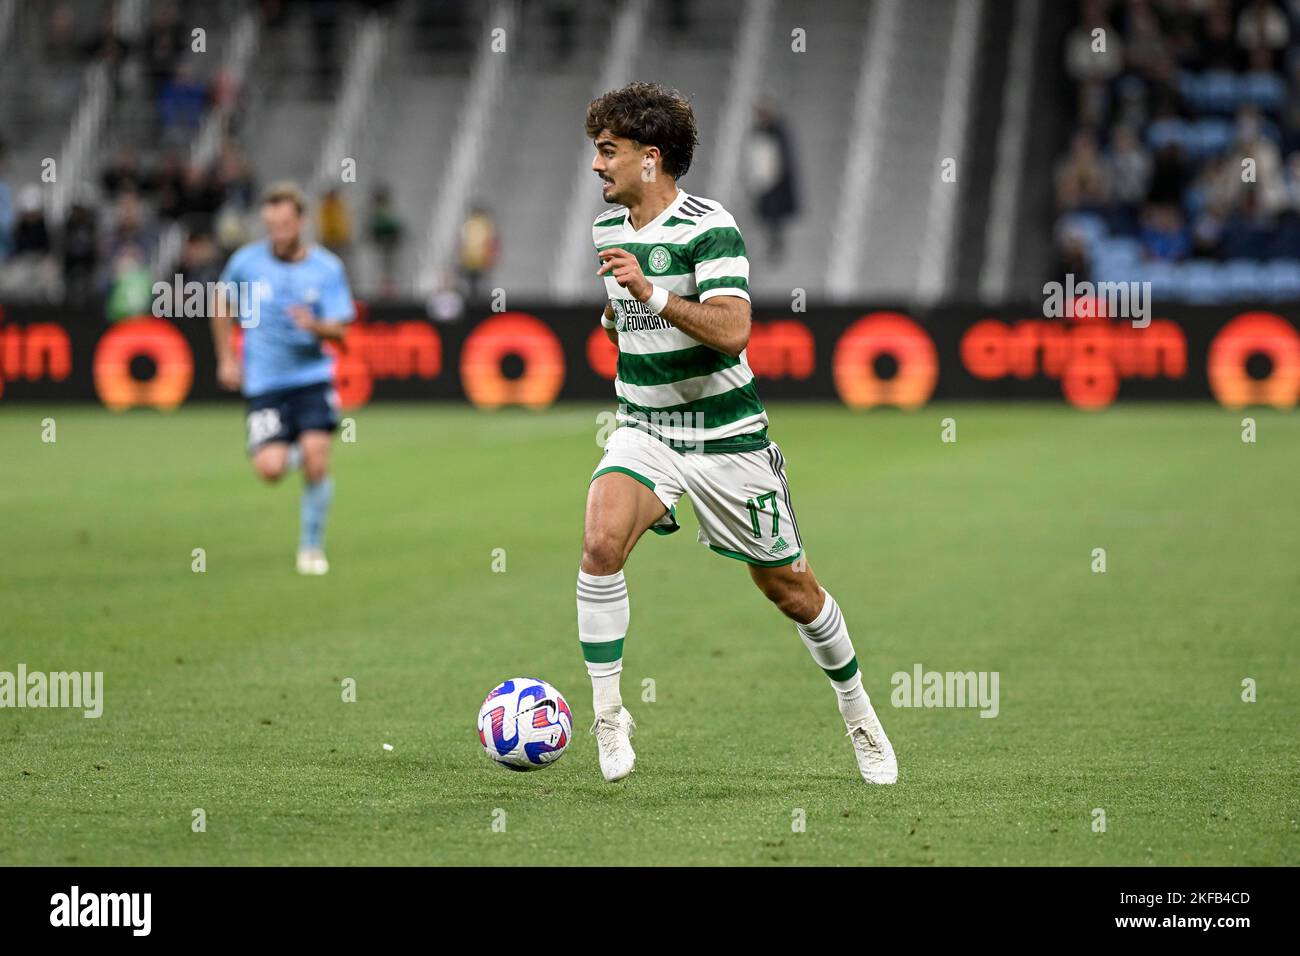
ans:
(49, 430)
(198, 820)
(948, 431)
(798, 820)
(953, 689)
(498, 560)
(75, 690)
(349, 690)
(1098, 560)
(1248, 690)
(1098, 820)
(499, 820)
(1248, 431)
(648, 690)
(199, 562)
(348, 431)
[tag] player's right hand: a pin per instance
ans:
(229, 374)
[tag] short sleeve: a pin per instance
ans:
(336, 303)
(721, 267)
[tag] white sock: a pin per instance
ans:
(603, 615)
(827, 639)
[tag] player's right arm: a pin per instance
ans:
(229, 374)
(610, 329)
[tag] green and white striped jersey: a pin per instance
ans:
(688, 395)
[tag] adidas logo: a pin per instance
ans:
(780, 546)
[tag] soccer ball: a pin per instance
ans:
(524, 724)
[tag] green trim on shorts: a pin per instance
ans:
(672, 516)
(672, 511)
(626, 471)
(780, 562)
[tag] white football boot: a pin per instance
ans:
(875, 754)
(612, 731)
(312, 561)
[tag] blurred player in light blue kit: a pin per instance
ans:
(289, 297)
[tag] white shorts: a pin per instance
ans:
(742, 499)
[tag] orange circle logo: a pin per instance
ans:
(151, 338)
(518, 334)
(895, 335)
(1255, 333)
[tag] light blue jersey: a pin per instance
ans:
(278, 354)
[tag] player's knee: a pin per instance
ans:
(792, 598)
(269, 470)
(315, 472)
(602, 553)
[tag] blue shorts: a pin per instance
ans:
(285, 414)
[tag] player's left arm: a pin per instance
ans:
(721, 322)
(337, 309)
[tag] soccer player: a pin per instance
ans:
(290, 297)
(690, 419)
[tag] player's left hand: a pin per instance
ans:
(302, 317)
(622, 265)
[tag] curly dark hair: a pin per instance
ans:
(649, 115)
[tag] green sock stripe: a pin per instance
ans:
(605, 652)
(845, 672)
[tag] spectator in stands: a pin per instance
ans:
(6, 210)
(562, 18)
(772, 180)
(123, 173)
(1081, 179)
(167, 184)
(80, 249)
(130, 229)
(235, 177)
(31, 237)
(325, 16)
(199, 200)
(479, 248)
(1208, 229)
(200, 259)
(1262, 26)
(1071, 252)
(1164, 234)
(1169, 175)
(1268, 183)
(165, 44)
(1217, 39)
(33, 267)
(334, 225)
(181, 103)
(386, 233)
(1145, 47)
(130, 289)
(1090, 67)
(1129, 171)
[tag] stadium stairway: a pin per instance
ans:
(816, 105)
(527, 173)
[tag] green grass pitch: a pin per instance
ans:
(1120, 691)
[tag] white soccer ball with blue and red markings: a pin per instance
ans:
(525, 724)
